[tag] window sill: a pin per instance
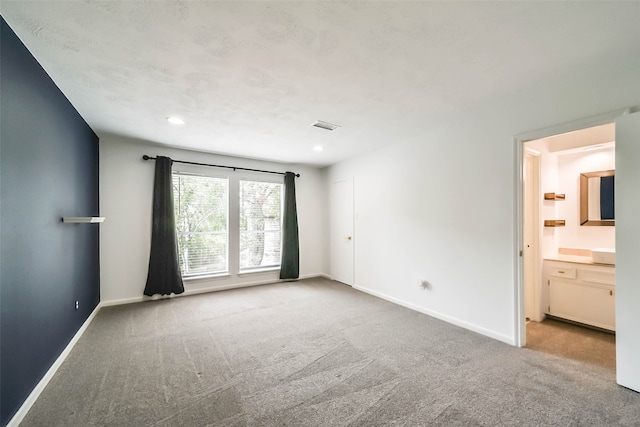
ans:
(258, 271)
(205, 277)
(227, 275)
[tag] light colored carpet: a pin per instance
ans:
(313, 353)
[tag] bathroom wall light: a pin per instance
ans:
(175, 120)
(603, 146)
(594, 148)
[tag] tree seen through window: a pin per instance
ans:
(260, 224)
(201, 206)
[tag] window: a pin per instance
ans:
(201, 206)
(260, 224)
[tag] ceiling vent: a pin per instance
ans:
(324, 125)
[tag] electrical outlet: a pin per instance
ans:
(77, 304)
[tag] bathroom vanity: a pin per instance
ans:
(577, 289)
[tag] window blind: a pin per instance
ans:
(202, 222)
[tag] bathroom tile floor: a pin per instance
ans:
(573, 342)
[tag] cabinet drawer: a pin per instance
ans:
(569, 273)
(603, 277)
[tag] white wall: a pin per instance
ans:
(126, 183)
(428, 211)
(442, 205)
(628, 251)
(570, 166)
(560, 173)
(549, 209)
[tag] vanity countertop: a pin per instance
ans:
(578, 259)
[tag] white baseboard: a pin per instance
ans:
(247, 285)
(449, 319)
(313, 276)
(226, 287)
(123, 301)
(35, 393)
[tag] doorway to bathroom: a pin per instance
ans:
(627, 244)
(552, 233)
(569, 296)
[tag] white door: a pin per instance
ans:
(342, 238)
(627, 214)
(531, 251)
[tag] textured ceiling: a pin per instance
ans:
(250, 77)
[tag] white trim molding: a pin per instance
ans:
(453, 320)
(519, 322)
(226, 287)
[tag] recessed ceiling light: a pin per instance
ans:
(324, 125)
(175, 120)
(318, 148)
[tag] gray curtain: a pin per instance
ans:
(164, 275)
(289, 269)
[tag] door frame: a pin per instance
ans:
(519, 322)
(532, 255)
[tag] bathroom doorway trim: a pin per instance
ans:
(519, 323)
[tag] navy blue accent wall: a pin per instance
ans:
(48, 169)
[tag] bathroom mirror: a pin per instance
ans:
(597, 198)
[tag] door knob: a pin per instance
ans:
(348, 237)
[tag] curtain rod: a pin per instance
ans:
(145, 157)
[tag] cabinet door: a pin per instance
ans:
(592, 305)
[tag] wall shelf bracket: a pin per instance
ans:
(83, 219)
(553, 196)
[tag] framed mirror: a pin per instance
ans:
(597, 198)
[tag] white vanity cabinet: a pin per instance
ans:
(580, 292)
